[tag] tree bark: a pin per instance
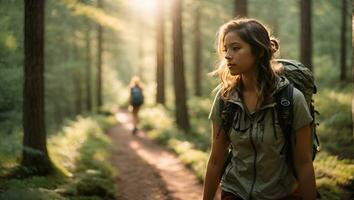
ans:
(99, 60)
(78, 91)
(88, 69)
(160, 55)
(34, 155)
(241, 8)
(197, 52)
(306, 33)
(178, 68)
(343, 51)
(140, 46)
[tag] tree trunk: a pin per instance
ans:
(140, 46)
(76, 77)
(197, 53)
(241, 8)
(306, 33)
(160, 55)
(99, 61)
(78, 91)
(88, 69)
(343, 51)
(35, 155)
(178, 68)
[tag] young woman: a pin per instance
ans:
(250, 80)
(136, 99)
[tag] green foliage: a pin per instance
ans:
(333, 101)
(80, 152)
(30, 194)
(333, 175)
(11, 49)
(156, 117)
(189, 146)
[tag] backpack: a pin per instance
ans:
(137, 97)
(300, 77)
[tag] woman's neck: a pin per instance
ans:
(249, 82)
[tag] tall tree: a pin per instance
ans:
(306, 33)
(182, 118)
(35, 155)
(241, 8)
(160, 54)
(343, 51)
(197, 51)
(76, 75)
(88, 67)
(140, 45)
(99, 59)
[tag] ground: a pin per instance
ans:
(147, 170)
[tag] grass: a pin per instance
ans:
(80, 153)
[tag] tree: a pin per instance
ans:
(343, 51)
(160, 55)
(88, 67)
(35, 155)
(99, 59)
(306, 33)
(241, 8)
(178, 67)
(197, 52)
(140, 29)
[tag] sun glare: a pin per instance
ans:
(146, 6)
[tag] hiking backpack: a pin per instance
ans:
(300, 77)
(137, 97)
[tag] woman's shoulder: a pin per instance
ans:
(298, 96)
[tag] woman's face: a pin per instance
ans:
(238, 54)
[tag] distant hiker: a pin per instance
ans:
(136, 99)
(245, 118)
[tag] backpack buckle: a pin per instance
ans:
(285, 102)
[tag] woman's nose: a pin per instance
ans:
(227, 56)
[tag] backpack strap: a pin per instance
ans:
(284, 106)
(227, 112)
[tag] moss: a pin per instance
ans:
(95, 186)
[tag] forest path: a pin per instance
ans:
(146, 170)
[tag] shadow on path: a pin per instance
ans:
(147, 170)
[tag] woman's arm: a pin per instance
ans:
(303, 163)
(216, 161)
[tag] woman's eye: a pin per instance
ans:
(224, 50)
(235, 48)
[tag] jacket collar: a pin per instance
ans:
(281, 82)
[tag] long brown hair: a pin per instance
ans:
(263, 47)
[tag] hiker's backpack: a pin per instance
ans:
(300, 77)
(137, 97)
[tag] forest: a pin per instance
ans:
(65, 72)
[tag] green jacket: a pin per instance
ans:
(258, 169)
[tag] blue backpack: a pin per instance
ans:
(137, 97)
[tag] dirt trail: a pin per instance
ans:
(148, 171)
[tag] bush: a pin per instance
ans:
(80, 152)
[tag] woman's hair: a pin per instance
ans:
(263, 47)
(135, 81)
